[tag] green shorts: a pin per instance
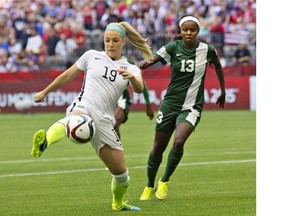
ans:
(167, 120)
(125, 102)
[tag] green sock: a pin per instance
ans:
(172, 162)
(55, 133)
(119, 189)
(152, 169)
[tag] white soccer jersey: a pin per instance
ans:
(102, 85)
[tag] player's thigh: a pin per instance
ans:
(114, 159)
(105, 134)
(191, 117)
(166, 120)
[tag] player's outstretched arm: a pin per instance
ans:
(147, 63)
(61, 80)
(149, 110)
(220, 75)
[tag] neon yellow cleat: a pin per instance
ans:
(39, 143)
(147, 193)
(125, 207)
(162, 190)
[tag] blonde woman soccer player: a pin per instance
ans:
(180, 111)
(107, 75)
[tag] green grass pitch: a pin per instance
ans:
(216, 176)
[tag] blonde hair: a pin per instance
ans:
(136, 40)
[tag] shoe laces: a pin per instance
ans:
(148, 190)
(126, 206)
(163, 186)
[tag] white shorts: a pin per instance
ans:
(104, 124)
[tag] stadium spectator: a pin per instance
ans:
(79, 36)
(34, 21)
(65, 50)
(111, 17)
(35, 49)
(236, 17)
(98, 99)
(157, 13)
(104, 18)
(181, 108)
(217, 35)
(89, 15)
(170, 19)
(149, 25)
(5, 31)
(19, 22)
(51, 12)
(202, 8)
(66, 11)
(100, 8)
(14, 47)
(7, 64)
(242, 55)
(4, 45)
(27, 62)
(121, 8)
(11, 55)
(204, 32)
(76, 15)
(190, 7)
(50, 40)
(64, 27)
(34, 42)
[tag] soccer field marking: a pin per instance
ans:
(218, 162)
(132, 167)
(46, 160)
(238, 153)
(93, 158)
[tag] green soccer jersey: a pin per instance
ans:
(188, 70)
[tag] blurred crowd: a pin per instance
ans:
(37, 35)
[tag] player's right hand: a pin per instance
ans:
(39, 97)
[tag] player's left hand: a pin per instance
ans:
(221, 100)
(149, 111)
(125, 74)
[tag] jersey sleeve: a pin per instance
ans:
(165, 52)
(212, 54)
(82, 62)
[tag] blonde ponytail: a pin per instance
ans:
(137, 41)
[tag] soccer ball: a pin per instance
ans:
(23, 104)
(80, 129)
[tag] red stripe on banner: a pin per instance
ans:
(16, 87)
(237, 93)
